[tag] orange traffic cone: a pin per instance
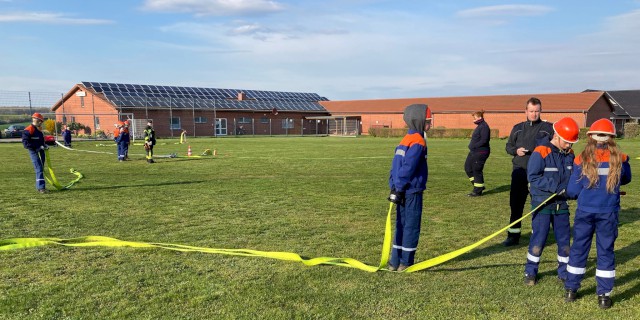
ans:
(189, 152)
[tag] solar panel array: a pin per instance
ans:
(137, 95)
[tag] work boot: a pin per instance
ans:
(529, 280)
(513, 239)
(43, 190)
(391, 267)
(604, 301)
(401, 267)
(570, 295)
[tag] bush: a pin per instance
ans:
(631, 130)
(433, 133)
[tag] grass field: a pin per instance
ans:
(312, 196)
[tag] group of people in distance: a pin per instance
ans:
(544, 167)
(122, 138)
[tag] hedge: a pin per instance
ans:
(433, 133)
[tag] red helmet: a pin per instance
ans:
(429, 116)
(120, 124)
(602, 129)
(567, 129)
(37, 116)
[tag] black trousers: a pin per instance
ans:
(518, 197)
(473, 166)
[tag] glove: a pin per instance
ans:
(396, 197)
(562, 193)
(44, 147)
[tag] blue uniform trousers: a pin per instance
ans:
(605, 226)
(38, 159)
(408, 219)
(561, 230)
(121, 151)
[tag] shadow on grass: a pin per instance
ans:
(499, 189)
(629, 215)
(141, 185)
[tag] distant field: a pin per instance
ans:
(312, 196)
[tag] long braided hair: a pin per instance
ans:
(590, 162)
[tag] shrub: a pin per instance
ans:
(438, 132)
(631, 130)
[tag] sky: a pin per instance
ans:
(340, 49)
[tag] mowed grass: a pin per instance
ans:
(312, 196)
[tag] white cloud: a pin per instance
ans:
(49, 18)
(214, 7)
(507, 10)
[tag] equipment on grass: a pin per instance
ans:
(189, 152)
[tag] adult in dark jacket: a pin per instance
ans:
(479, 151)
(524, 138)
(33, 141)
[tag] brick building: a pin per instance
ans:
(99, 106)
(502, 111)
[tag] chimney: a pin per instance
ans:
(242, 96)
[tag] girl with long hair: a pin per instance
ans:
(597, 175)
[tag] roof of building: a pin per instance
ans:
(557, 102)
(625, 102)
(153, 96)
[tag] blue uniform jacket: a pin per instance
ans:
(32, 138)
(597, 199)
(123, 137)
(548, 172)
(66, 135)
(409, 169)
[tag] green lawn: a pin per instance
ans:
(312, 196)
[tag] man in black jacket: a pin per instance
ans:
(479, 151)
(524, 137)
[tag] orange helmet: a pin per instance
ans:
(567, 129)
(602, 129)
(37, 116)
(429, 116)
(120, 124)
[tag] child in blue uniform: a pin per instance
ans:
(33, 141)
(407, 181)
(598, 173)
(548, 172)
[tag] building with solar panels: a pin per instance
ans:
(198, 111)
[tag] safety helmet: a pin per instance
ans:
(120, 124)
(429, 116)
(567, 129)
(37, 116)
(602, 130)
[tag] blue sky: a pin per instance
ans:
(343, 50)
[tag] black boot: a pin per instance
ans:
(604, 302)
(476, 192)
(570, 295)
(513, 239)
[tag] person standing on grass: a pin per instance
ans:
(479, 151)
(122, 139)
(66, 136)
(548, 171)
(149, 140)
(33, 141)
(407, 181)
(524, 137)
(598, 173)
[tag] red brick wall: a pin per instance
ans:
(161, 122)
(83, 110)
(503, 122)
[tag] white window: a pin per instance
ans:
(175, 123)
(200, 120)
(221, 127)
(287, 123)
(264, 120)
(97, 123)
(244, 120)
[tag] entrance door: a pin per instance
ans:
(221, 127)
